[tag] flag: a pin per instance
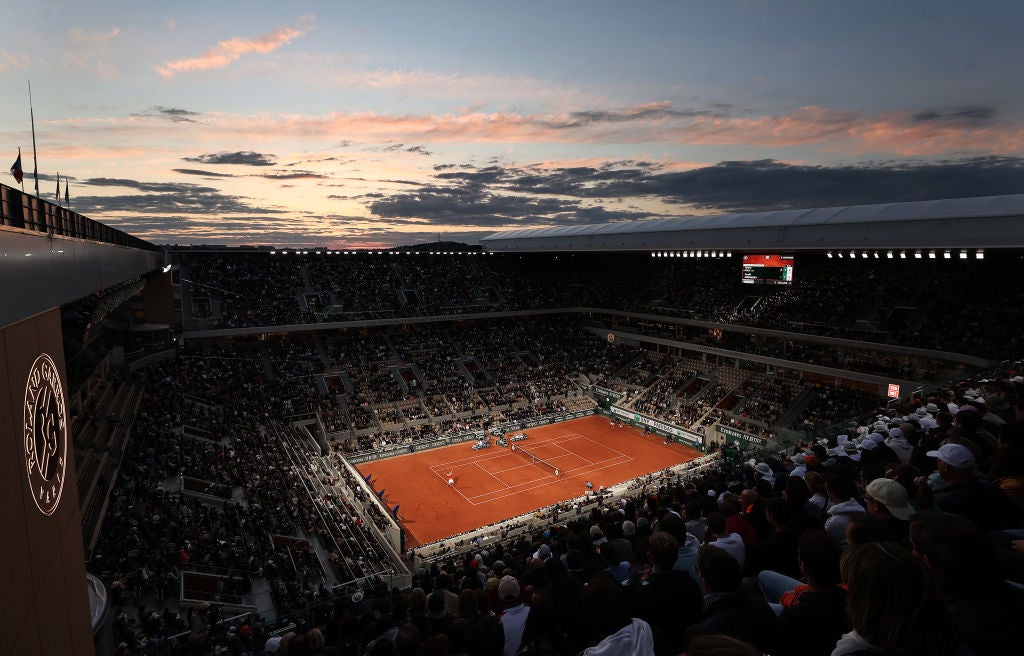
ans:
(67, 195)
(58, 189)
(16, 169)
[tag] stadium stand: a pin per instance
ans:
(232, 494)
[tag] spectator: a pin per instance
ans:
(668, 599)
(729, 610)
(812, 616)
(840, 490)
(611, 615)
(983, 606)
(899, 445)
(887, 500)
(513, 618)
(718, 535)
(689, 547)
(894, 605)
(543, 634)
(968, 495)
(779, 551)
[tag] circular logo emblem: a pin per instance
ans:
(46, 434)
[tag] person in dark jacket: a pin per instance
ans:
(960, 555)
(779, 551)
(729, 610)
(817, 619)
(978, 500)
(668, 599)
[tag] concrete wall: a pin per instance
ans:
(44, 607)
(43, 271)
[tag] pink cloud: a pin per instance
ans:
(11, 62)
(80, 38)
(818, 128)
(898, 133)
(87, 51)
(829, 131)
(229, 51)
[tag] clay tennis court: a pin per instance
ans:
(493, 484)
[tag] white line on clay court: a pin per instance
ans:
(545, 481)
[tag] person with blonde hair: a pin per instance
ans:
(894, 605)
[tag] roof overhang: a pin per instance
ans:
(984, 222)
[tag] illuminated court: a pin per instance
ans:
(495, 483)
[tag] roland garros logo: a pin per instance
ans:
(46, 441)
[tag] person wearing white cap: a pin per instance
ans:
(887, 500)
(968, 495)
(927, 420)
(800, 469)
(513, 619)
(763, 470)
(850, 452)
(900, 446)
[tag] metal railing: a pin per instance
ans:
(27, 212)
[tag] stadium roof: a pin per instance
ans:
(984, 222)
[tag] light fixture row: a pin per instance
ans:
(319, 252)
(917, 254)
(691, 253)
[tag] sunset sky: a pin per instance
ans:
(364, 124)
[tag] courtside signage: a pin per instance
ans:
(740, 435)
(641, 420)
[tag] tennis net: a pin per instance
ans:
(535, 460)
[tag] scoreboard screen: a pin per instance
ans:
(768, 269)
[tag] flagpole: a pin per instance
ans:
(32, 117)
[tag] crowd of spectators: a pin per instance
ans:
(899, 532)
(899, 535)
(159, 530)
(921, 303)
(756, 543)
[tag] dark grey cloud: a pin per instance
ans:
(282, 232)
(414, 183)
(292, 175)
(162, 198)
(475, 205)
(591, 117)
(141, 225)
(770, 185)
(155, 187)
(318, 160)
(401, 147)
(201, 172)
(485, 175)
(173, 114)
(503, 195)
(243, 157)
(962, 116)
